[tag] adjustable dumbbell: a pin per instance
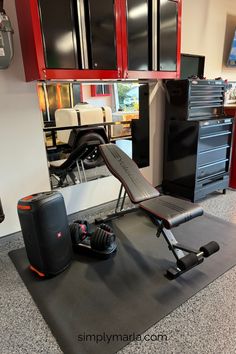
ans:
(103, 239)
(79, 232)
(101, 242)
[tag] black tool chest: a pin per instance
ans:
(197, 139)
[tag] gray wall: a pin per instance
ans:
(23, 165)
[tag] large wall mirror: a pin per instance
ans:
(78, 117)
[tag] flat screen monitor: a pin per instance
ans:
(192, 65)
(232, 54)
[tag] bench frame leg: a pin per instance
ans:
(119, 208)
(121, 200)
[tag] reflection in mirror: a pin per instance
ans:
(78, 117)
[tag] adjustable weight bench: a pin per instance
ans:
(166, 212)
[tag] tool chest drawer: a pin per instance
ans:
(213, 155)
(215, 128)
(212, 169)
(211, 141)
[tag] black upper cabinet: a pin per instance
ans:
(59, 34)
(101, 34)
(79, 34)
(152, 32)
(168, 20)
(139, 34)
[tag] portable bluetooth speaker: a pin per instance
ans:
(46, 232)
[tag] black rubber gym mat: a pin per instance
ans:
(125, 295)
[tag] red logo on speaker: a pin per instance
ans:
(59, 235)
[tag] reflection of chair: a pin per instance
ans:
(63, 168)
(166, 212)
(82, 135)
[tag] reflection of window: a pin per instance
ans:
(55, 96)
(128, 97)
(100, 90)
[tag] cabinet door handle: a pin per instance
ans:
(82, 33)
(154, 34)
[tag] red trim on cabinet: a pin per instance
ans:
(38, 37)
(71, 74)
(29, 43)
(124, 42)
(118, 27)
(179, 38)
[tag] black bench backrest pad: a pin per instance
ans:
(127, 172)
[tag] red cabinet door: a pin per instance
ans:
(151, 34)
(67, 39)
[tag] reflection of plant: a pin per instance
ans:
(122, 90)
(122, 93)
(133, 108)
(136, 106)
(230, 93)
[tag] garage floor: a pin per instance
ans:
(204, 324)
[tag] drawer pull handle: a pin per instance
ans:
(212, 164)
(214, 149)
(213, 180)
(214, 135)
(215, 125)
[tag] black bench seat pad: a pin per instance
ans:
(172, 211)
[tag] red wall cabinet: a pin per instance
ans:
(151, 35)
(110, 39)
